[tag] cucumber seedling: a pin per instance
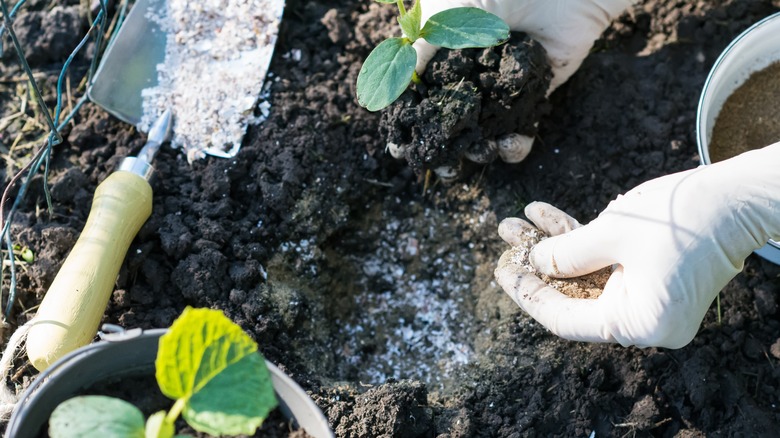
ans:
(389, 68)
(207, 364)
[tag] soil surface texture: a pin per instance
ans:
(375, 290)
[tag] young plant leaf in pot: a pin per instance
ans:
(205, 363)
(389, 68)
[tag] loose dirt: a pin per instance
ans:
(750, 117)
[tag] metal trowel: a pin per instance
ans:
(129, 65)
(72, 308)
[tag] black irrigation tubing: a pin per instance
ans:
(43, 156)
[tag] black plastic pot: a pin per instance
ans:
(126, 354)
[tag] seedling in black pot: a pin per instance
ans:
(207, 364)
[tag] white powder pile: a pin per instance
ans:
(587, 286)
(414, 292)
(216, 59)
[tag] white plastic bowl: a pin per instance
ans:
(753, 50)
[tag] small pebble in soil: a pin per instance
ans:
(775, 349)
(587, 286)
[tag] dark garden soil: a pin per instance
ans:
(376, 295)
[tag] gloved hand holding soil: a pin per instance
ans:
(524, 237)
(480, 104)
(675, 242)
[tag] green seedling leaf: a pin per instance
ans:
(463, 28)
(209, 364)
(385, 1)
(158, 426)
(386, 73)
(28, 255)
(410, 22)
(96, 416)
(213, 409)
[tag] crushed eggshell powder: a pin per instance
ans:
(586, 286)
(216, 57)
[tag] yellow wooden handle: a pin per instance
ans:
(70, 312)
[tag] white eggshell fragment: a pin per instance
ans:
(397, 151)
(513, 148)
(447, 173)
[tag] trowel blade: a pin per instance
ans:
(129, 64)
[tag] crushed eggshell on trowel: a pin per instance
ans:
(216, 58)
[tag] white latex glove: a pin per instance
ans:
(675, 242)
(565, 28)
